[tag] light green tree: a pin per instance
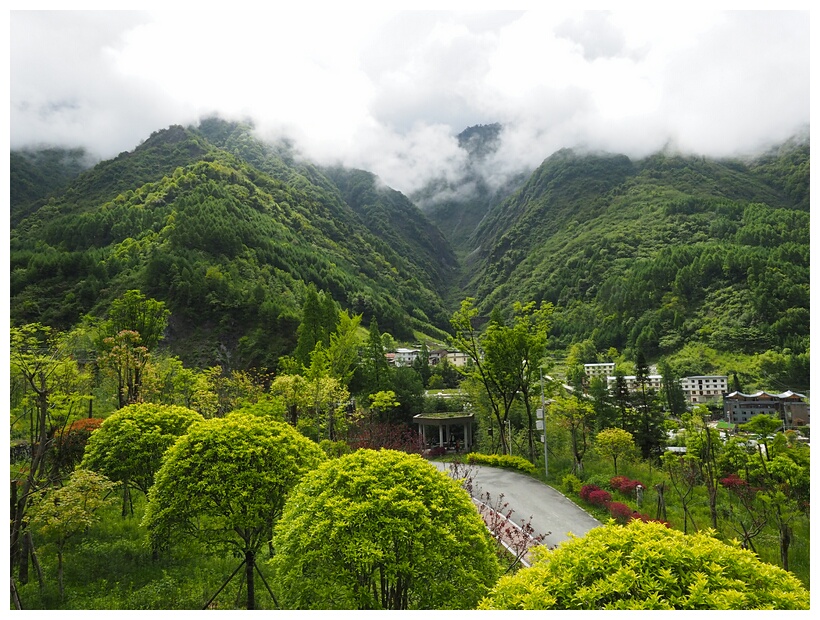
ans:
(578, 417)
(48, 393)
(615, 443)
(129, 445)
(68, 511)
(225, 482)
(381, 530)
(647, 566)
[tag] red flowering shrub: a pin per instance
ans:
(587, 489)
(733, 482)
(620, 512)
(599, 498)
(71, 442)
(624, 485)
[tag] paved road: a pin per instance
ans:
(551, 512)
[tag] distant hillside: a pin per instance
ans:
(669, 255)
(229, 246)
(36, 173)
(457, 207)
(658, 253)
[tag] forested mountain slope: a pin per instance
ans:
(657, 253)
(229, 246)
(458, 206)
(653, 255)
(36, 173)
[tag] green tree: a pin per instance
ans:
(129, 445)
(762, 427)
(495, 362)
(381, 530)
(47, 393)
(319, 319)
(529, 331)
(703, 443)
(606, 411)
(65, 512)
(422, 365)
(671, 390)
(343, 350)
(647, 566)
(225, 483)
(577, 416)
(615, 443)
(133, 311)
(374, 369)
(648, 429)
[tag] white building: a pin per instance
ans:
(653, 382)
(700, 389)
(405, 357)
(604, 369)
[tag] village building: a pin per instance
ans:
(701, 389)
(604, 369)
(790, 407)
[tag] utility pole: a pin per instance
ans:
(543, 422)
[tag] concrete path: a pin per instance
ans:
(551, 512)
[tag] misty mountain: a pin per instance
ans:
(36, 173)
(660, 255)
(458, 206)
(657, 254)
(229, 232)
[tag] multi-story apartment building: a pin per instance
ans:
(653, 381)
(604, 369)
(700, 389)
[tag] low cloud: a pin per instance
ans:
(389, 92)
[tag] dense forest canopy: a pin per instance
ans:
(667, 255)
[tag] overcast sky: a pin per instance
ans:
(388, 92)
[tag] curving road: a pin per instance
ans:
(551, 512)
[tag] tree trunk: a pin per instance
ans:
(15, 596)
(60, 571)
(24, 556)
(785, 543)
(34, 561)
(250, 563)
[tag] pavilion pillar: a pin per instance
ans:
(441, 436)
(467, 438)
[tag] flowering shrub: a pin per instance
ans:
(599, 497)
(71, 442)
(587, 489)
(620, 512)
(624, 485)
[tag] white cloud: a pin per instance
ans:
(388, 92)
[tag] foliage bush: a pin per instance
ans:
(620, 512)
(599, 480)
(647, 566)
(599, 497)
(381, 530)
(501, 460)
(624, 485)
(334, 449)
(587, 489)
(571, 483)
